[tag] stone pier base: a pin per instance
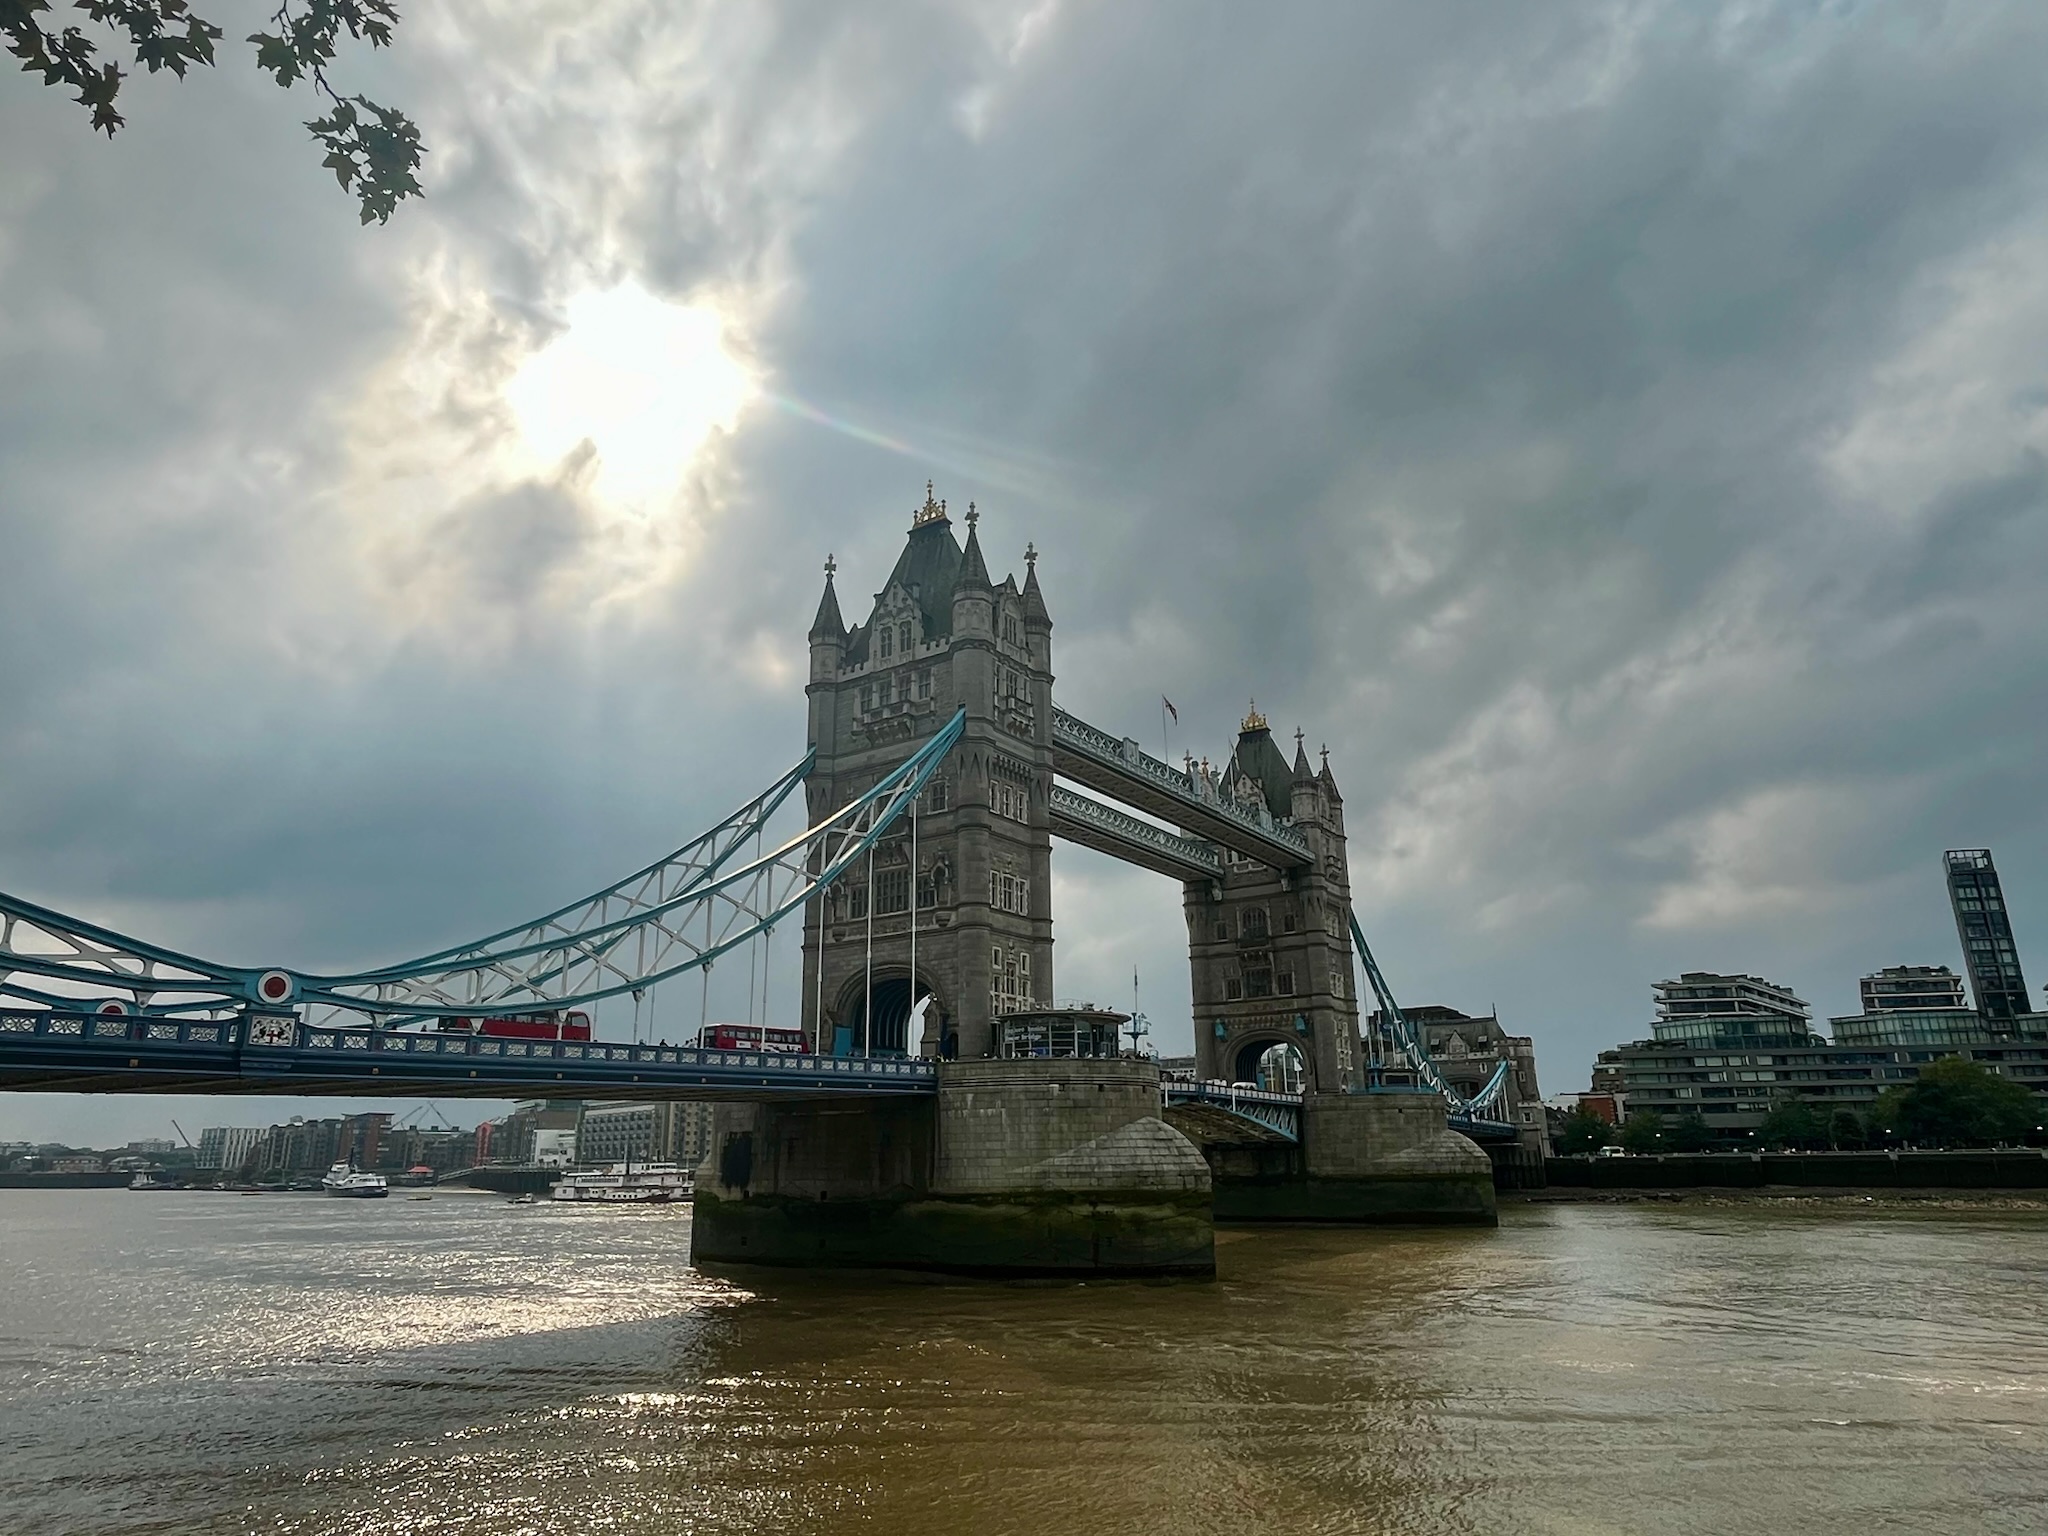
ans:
(1363, 1158)
(1059, 1168)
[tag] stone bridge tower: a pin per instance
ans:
(1269, 950)
(941, 634)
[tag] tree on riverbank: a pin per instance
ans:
(1793, 1123)
(1959, 1103)
(1582, 1132)
(1688, 1133)
(1644, 1132)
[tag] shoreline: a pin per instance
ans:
(1844, 1198)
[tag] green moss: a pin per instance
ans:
(1449, 1200)
(1025, 1233)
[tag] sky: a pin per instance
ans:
(1616, 430)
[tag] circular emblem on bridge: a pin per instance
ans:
(275, 987)
(114, 1008)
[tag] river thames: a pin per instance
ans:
(201, 1362)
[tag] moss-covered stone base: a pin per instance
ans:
(1448, 1199)
(1027, 1233)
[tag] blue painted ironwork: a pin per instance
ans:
(1397, 1042)
(259, 1052)
(676, 915)
(1278, 1112)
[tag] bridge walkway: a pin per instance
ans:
(1119, 768)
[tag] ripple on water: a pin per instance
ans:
(205, 1363)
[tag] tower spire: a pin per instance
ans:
(973, 568)
(828, 625)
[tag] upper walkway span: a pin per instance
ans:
(1118, 767)
(1085, 820)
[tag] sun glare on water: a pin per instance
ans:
(645, 380)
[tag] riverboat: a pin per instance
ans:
(626, 1184)
(346, 1182)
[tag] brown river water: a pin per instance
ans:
(201, 1363)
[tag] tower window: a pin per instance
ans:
(867, 697)
(1009, 893)
(903, 637)
(1251, 923)
(1010, 631)
(924, 682)
(935, 795)
(885, 643)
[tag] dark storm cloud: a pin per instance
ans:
(1615, 429)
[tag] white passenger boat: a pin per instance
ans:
(627, 1184)
(345, 1181)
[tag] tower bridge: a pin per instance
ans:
(911, 1131)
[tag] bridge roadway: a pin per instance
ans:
(259, 1054)
(55, 1052)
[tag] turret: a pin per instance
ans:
(974, 595)
(828, 631)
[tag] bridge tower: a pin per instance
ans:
(1269, 950)
(940, 635)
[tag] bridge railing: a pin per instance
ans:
(265, 1046)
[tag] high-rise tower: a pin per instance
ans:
(1986, 931)
(941, 635)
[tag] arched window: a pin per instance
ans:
(903, 636)
(885, 642)
(1251, 923)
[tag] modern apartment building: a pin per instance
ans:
(1732, 1090)
(1898, 988)
(1707, 1008)
(671, 1131)
(1985, 929)
(226, 1146)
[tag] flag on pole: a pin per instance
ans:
(1169, 708)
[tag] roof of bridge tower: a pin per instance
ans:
(928, 569)
(1302, 772)
(1329, 780)
(1261, 760)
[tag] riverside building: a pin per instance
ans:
(1728, 1048)
(1985, 929)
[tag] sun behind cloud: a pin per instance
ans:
(644, 380)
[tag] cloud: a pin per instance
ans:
(1615, 428)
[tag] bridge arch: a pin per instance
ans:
(1274, 1061)
(846, 1034)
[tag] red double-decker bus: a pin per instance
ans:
(749, 1037)
(522, 1026)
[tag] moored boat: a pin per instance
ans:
(345, 1181)
(627, 1184)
